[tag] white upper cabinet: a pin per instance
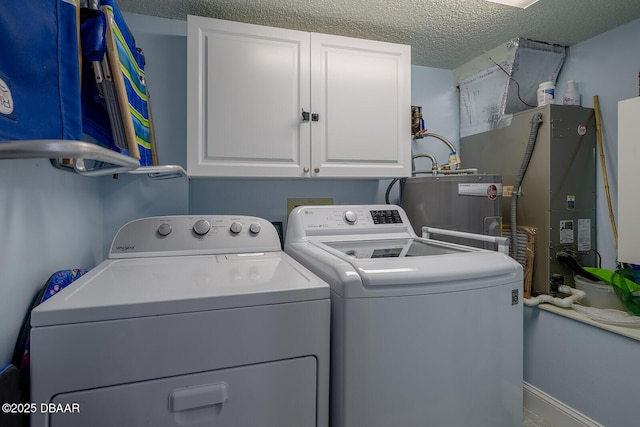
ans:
(270, 102)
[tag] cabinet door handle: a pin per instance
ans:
(315, 117)
(305, 116)
(305, 170)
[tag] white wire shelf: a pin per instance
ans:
(161, 172)
(102, 161)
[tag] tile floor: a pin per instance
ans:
(533, 420)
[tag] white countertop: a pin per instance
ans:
(630, 332)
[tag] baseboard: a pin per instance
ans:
(553, 410)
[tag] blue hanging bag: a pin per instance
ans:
(41, 92)
(39, 70)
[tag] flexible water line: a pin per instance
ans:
(452, 149)
(536, 120)
(434, 169)
(434, 162)
(576, 294)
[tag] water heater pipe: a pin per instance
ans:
(434, 162)
(434, 170)
(440, 137)
(452, 149)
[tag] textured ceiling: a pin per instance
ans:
(442, 33)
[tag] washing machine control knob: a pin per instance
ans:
(201, 227)
(236, 227)
(164, 229)
(350, 217)
(255, 227)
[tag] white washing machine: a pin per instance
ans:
(423, 333)
(191, 321)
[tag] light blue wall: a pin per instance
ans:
(52, 220)
(588, 368)
(164, 44)
(607, 66)
(434, 91)
(49, 220)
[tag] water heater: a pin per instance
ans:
(470, 203)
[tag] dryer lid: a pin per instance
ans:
(140, 287)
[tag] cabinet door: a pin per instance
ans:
(247, 86)
(361, 91)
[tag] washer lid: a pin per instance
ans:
(393, 248)
(404, 266)
(139, 287)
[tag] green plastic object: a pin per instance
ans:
(625, 285)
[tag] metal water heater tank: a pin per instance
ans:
(469, 203)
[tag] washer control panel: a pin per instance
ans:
(353, 219)
(183, 235)
(350, 217)
(386, 216)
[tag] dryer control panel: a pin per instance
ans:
(352, 219)
(201, 234)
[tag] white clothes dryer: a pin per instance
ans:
(423, 333)
(191, 321)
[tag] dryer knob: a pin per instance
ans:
(236, 227)
(201, 227)
(255, 227)
(350, 217)
(164, 229)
